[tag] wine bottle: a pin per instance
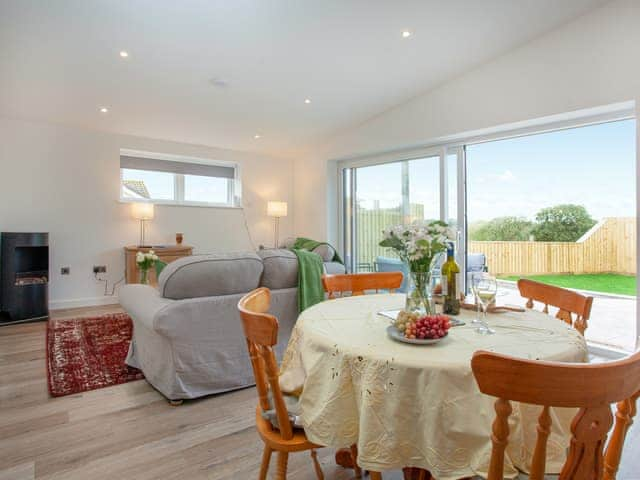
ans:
(450, 271)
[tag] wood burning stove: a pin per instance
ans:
(24, 277)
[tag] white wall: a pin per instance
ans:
(589, 62)
(65, 181)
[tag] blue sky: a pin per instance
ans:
(197, 188)
(592, 166)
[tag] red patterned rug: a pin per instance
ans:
(88, 353)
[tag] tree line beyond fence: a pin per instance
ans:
(560, 223)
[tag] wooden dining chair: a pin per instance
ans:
(590, 387)
(358, 283)
(568, 302)
(261, 332)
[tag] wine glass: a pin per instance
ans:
(484, 288)
(476, 320)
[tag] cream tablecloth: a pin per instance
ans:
(407, 405)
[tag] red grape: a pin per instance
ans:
(428, 326)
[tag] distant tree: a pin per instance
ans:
(562, 223)
(506, 229)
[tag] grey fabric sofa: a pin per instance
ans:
(187, 335)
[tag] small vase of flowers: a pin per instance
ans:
(419, 245)
(145, 261)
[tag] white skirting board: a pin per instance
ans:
(83, 302)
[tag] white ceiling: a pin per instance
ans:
(60, 62)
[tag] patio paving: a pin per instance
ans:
(612, 322)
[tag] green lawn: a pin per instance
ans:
(597, 282)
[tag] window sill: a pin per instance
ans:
(171, 203)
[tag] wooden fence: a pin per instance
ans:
(609, 247)
(370, 223)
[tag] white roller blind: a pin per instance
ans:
(184, 168)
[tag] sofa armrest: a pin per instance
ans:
(143, 303)
(210, 327)
(204, 318)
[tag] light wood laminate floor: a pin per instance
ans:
(130, 432)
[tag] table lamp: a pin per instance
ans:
(276, 209)
(142, 212)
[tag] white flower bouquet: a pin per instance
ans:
(145, 261)
(418, 244)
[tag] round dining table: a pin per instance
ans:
(418, 405)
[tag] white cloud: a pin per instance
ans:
(507, 176)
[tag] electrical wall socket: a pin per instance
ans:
(65, 271)
(99, 269)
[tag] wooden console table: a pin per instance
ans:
(167, 254)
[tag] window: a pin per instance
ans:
(559, 207)
(398, 192)
(554, 201)
(379, 203)
(177, 180)
(198, 188)
(147, 184)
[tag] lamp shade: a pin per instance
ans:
(277, 209)
(142, 211)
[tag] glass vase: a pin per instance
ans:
(144, 276)
(419, 294)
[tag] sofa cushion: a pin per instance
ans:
(280, 268)
(327, 252)
(288, 243)
(210, 275)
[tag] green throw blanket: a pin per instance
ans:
(310, 290)
(310, 270)
(302, 243)
(159, 267)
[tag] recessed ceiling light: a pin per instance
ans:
(257, 136)
(406, 34)
(218, 82)
(124, 54)
(104, 110)
(307, 100)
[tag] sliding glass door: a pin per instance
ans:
(401, 192)
(380, 201)
(555, 204)
(559, 208)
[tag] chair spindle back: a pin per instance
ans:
(590, 387)
(568, 302)
(358, 283)
(261, 332)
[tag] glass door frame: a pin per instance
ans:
(347, 182)
(457, 143)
